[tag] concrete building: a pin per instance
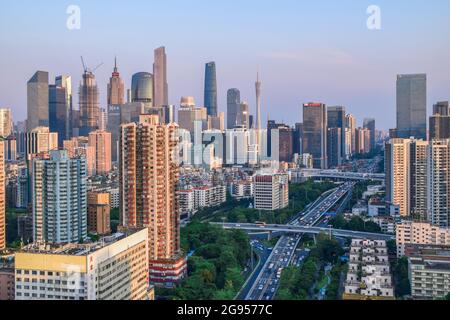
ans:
(6, 281)
(369, 275)
(336, 119)
(148, 180)
(334, 145)
(79, 147)
(186, 203)
(98, 213)
(37, 101)
(242, 190)
(189, 115)
(6, 122)
(315, 126)
(59, 198)
(350, 124)
(209, 196)
(362, 140)
(100, 141)
(271, 192)
(424, 233)
(40, 140)
(2, 198)
(412, 106)
(114, 269)
(429, 271)
(89, 103)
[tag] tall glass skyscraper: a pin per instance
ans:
(233, 102)
(37, 103)
(142, 87)
(412, 106)
(211, 89)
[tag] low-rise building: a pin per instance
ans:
(369, 274)
(186, 202)
(6, 281)
(429, 271)
(242, 190)
(209, 196)
(410, 232)
(116, 268)
(387, 224)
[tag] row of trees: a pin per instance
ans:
(215, 267)
(355, 224)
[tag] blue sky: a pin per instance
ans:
(305, 50)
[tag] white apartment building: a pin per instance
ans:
(242, 189)
(209, 196)
(271, 192)
(369, 274)
(114, 269)
(409, 232)
(186, 202)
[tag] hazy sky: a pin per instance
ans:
(305, 50)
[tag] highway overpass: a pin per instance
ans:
(307, 229)
(336, 174)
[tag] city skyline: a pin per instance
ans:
(302, 67)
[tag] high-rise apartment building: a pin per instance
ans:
(116, 268)
(148, 180)
(161, 88)
(412, 106)
(350, 124)
(362, 140)
(116, 88)
(210, 95)
(315, 133)
(39, 140)
(2, 198)
(100, 141)
(336, 119)
(59, 198)
(89, 104)
(271, 192)
(79, 147)
(369, 124)
(440, 121)
(6, 122)
(37, 101)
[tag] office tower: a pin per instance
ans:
(6, 122)
(116, 88)
(142, 88)
(76, 122)
(189, 115)
(233, 102)
(102, 120)
(439, 184)
(59, 198)
(297, 139)
(89, 104)
(369, 124)
(79, 147)
(243, 115)
(210, 99)
(350, 123)
(284, 144)
(98, 214)
(113, 126)
(336, 119)
(412, 106)
(37, 101)
(258, 104)
(161, 88)
(115, 268)
(40, 140)
(334, 140)
(441, 108)
(23, 194)
(362, 140)
(66, 83)
(130, 112)
(217, 123)
(271, 192)
(440, 121)
(148, 180)
(236, 146)
(100, 141)
(10, 148)
(58, 112)
(315, 133)
(2, 198)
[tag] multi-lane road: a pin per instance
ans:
(267, 282)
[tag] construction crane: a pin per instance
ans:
(86, 69)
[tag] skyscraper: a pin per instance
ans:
(58, 112)
(37, 101)
(142, 88)
(440, 121)
(334, 141)
(369, 123)
(148, 180)
(2, 198)
(100, 141)
(350, 123)
(116, 88)
(258, 108)
(59, 198)
(412, 106)
(6, 122)
(315, 133)
(66, 83)
(336, 119)
(233, 101)
(161, 88)
(89, 103)
(210, 99)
